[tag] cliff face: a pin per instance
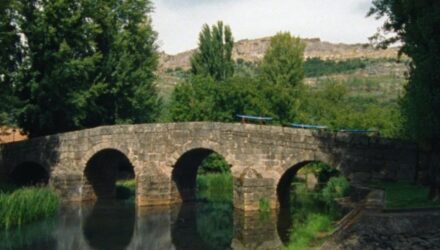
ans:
(253, 51)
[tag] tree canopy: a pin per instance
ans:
(416, 25)
(283, 62)
(214, 54)
(84, 63)
(11, 57)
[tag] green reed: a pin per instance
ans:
(26, 205)
(215, 187)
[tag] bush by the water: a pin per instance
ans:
(336, 187)
(214, 163)
(26, 205)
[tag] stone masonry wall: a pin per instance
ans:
(259, 156)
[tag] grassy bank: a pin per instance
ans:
(405, 195)
(25, 205)
(315, 212)
(315, 227)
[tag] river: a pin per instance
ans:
(115, 225)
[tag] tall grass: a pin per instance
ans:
(303, 236)
(401, 195)
(26, 205)
(314, 212)
(215, 187)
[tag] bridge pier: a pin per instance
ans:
(155, 189)
(70, 187)
(252, 191)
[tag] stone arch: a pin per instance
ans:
(209, 145)
(29, 173)
(103, 146)
(283, 185)
(185, 167)
(101, 171)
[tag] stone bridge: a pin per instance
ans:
(164, 158)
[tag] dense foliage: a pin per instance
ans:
(415, 24)
(214, 55)
(334, 107)
(314, 67)
(10, 58)
(283, 61)
(80, 63)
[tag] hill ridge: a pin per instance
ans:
(252, 50)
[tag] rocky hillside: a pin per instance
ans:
(253, 51)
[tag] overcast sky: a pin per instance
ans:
(179, 22)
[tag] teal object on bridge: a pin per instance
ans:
(306, 126)
(358, 131)
(255, 118)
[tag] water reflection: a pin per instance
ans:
(256, 231)
(25, 238)
(110, 225)
(119, 225)
(203, 225)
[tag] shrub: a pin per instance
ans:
(214, 163)
(336, 187)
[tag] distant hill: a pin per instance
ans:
(253, 51)
(377, 73)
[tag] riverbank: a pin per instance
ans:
(21, 206)
(395, 216)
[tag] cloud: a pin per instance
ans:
(179, 21)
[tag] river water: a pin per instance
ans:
(115, 225)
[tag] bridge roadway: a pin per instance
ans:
(83, 165)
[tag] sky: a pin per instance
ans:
(179, 22)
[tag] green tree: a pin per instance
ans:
(203, 99)
(10, 57)
(214, 55)
(193, 100)
(416, 24)
(87, 63)
(283, 62)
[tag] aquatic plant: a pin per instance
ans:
(26, 205)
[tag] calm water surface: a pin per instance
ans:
(119, 225)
